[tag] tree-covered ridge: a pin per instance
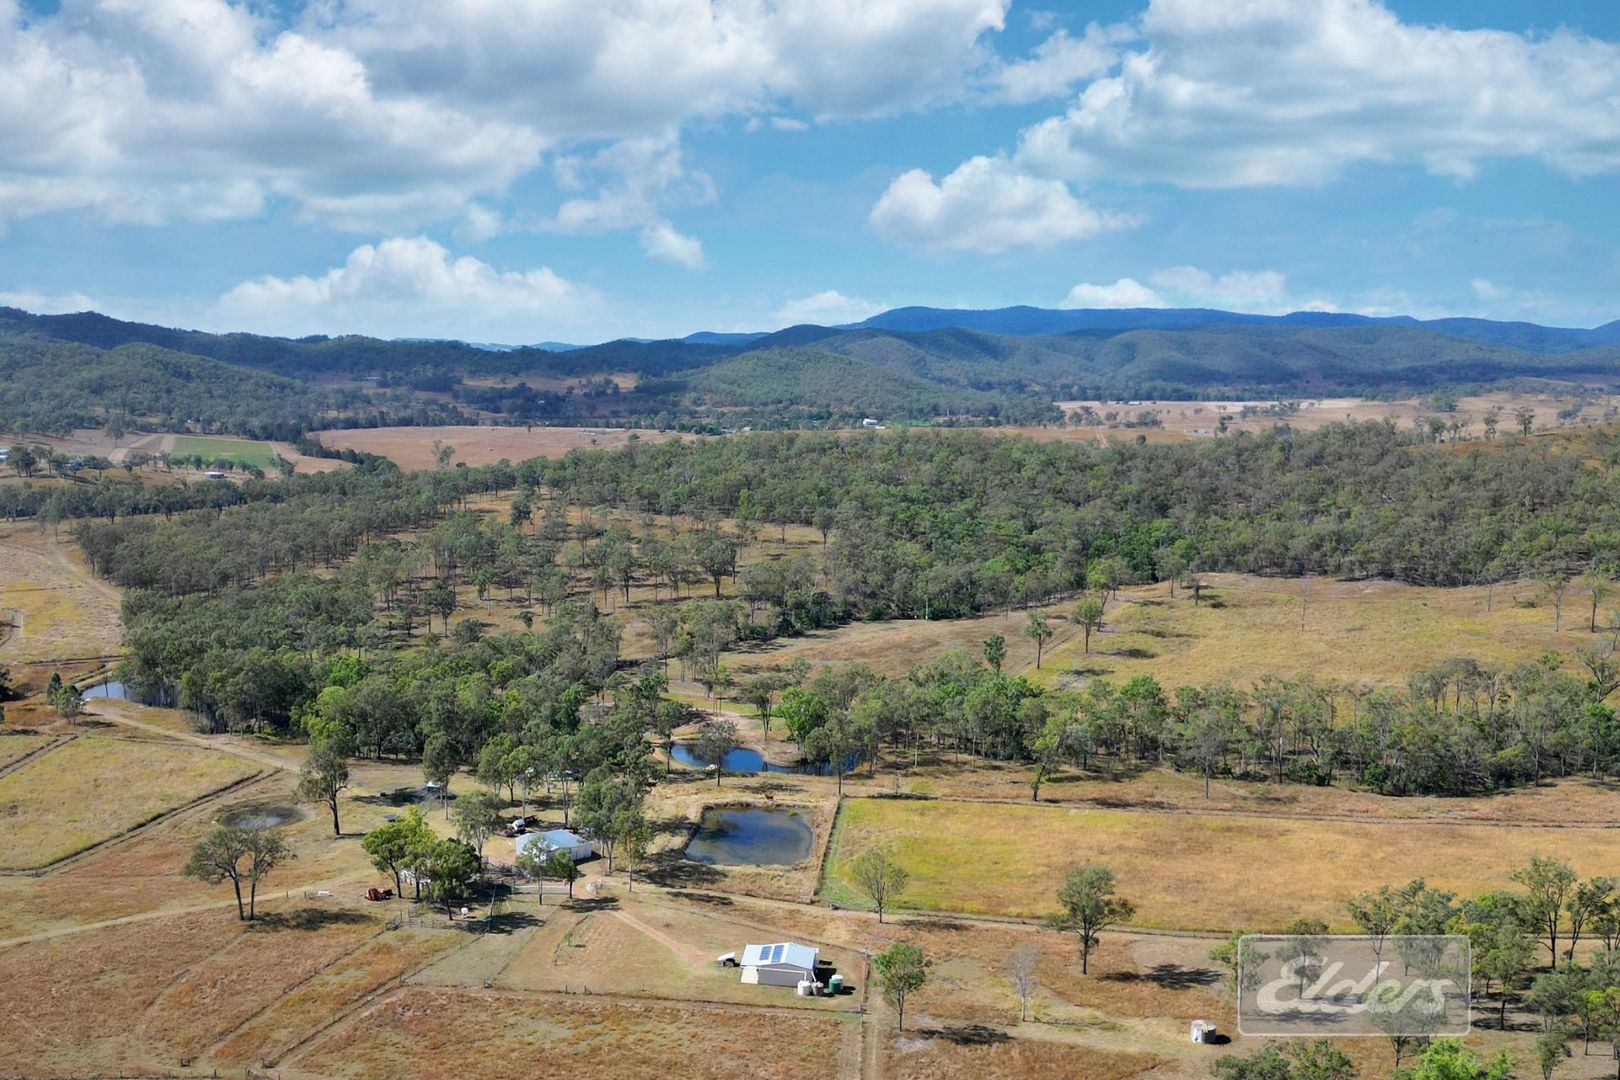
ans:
(799, 376)
(936, 523)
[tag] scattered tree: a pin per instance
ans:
(877, 874)
(241, 856)
(1089, 907)
(902, 969)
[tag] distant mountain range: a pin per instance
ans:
(908, 363)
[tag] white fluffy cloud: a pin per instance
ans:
(1124, 293)
(195, 109)
(1258, 291)
(1229, 93)
(44, 303)
(661, 241)
(393, 113)
(827, 308)
(411, 287)
(987, 206)
(1058, 63)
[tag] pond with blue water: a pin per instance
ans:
(110, 689)
(749, 836)
(744, 760)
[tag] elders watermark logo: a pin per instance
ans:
(1291, 984)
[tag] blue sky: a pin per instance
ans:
(583, 169)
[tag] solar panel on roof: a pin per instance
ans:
(776, 954)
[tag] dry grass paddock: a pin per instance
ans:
(308, 1007)
(1577, 801)
(1362, 632)
(965, 1053)
(1357, 632)
(93, 788)
(1183, 871)
(1193, 419)
(17, 745)
(648, 946)
(143, 998)
(430, 1033)
(411, 448)
(55, 609)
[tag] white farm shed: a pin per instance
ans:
(781, 964)
(556, 840)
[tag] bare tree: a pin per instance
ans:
(1021, 970)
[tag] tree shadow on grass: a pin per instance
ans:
(305, 919)
(591, 903)
(507, 922)
(1167, 977)
(967, 1035)
(712, 899)
(673, 870)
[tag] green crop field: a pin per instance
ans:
(240, 451)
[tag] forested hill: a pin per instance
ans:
(908, 364)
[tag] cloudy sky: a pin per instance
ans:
(524, 170)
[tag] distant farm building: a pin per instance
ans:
(780, 964)
(577, 846)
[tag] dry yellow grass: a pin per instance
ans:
(412, 447)
(94, 788)
(137, 999)
(1369, 632)
(1573, 801)
(293, 1017)
(661, 950)
(58, 610)
(1185, 871)
(1189, 419)
(431, 1033)
(14, 746)
(953, 1054)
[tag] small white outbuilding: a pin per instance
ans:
(781, 964)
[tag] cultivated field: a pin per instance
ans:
(87, 442)
(1183, 870)
(236, 451)
(412, 447)
(82, 793)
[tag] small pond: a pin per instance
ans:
(260, 817)
(741, 836)
(744, 760)
(108, 689)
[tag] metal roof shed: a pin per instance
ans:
(781, 964)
